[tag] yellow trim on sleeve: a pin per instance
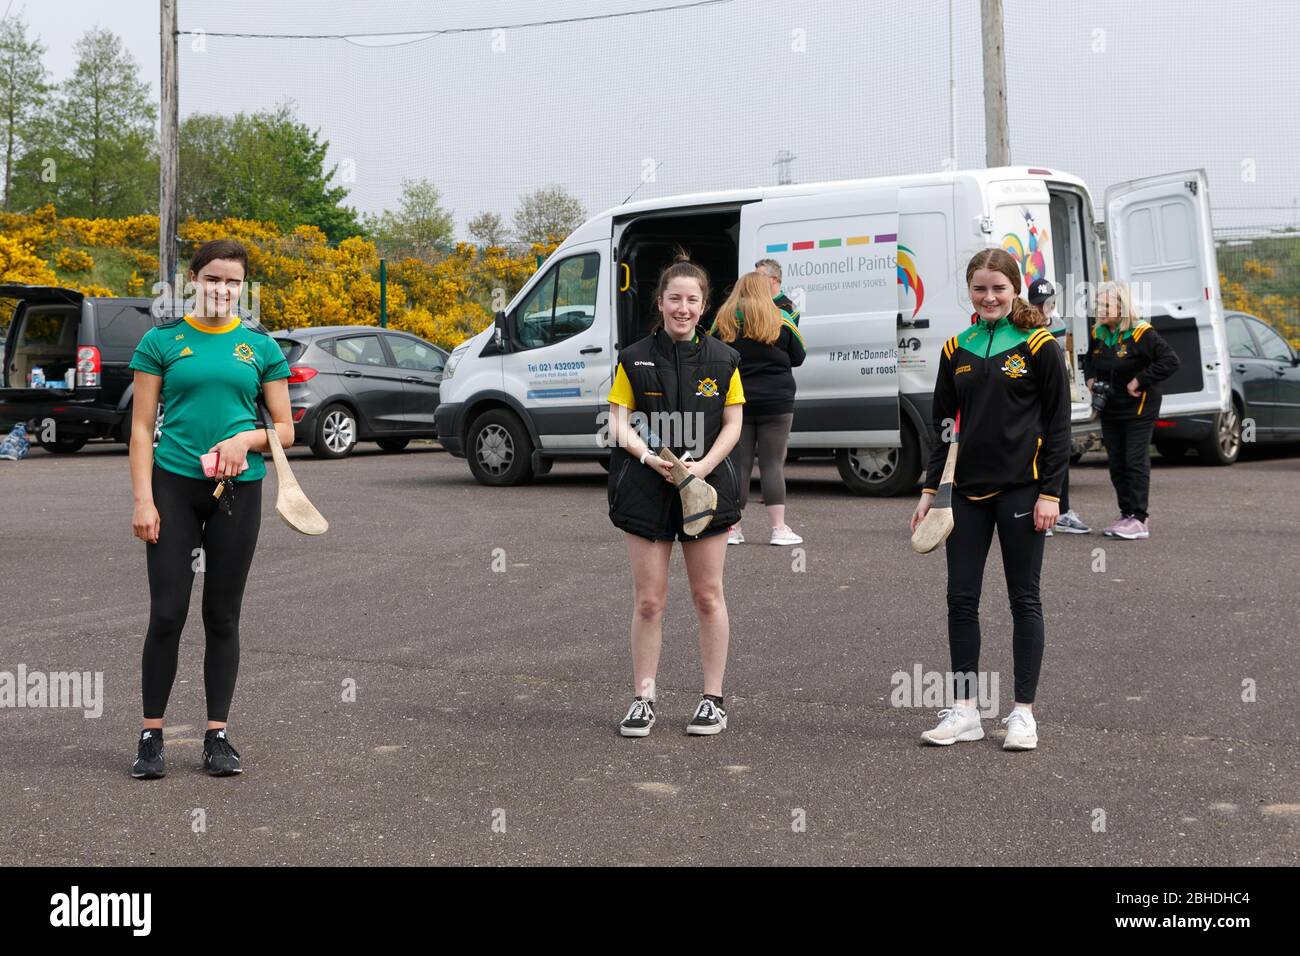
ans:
(620, 393)
(795, 329)
(950, 346)
(1142, 404)
(1140, 329)
(735, 391)
(1036, 340)
(1037, 449)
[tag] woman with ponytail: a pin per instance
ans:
(1002, 394)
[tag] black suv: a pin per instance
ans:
(66, 360)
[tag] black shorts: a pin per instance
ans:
(673, 528)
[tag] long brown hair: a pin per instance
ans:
(759, 320)
(1023, 315)
(681, 268)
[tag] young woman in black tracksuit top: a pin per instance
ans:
(677, 388)
(1002, 384)
(770, 347)
(1129, 359)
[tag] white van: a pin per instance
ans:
(875, 267)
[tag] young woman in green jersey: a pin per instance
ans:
(208, 369)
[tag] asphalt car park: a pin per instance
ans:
(483, 635)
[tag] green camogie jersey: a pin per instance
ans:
(211, 376)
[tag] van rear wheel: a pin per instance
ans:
(499, 450)
(1224, 444)
(882, 472)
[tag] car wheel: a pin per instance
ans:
(1224, 444)
(62, 444)
(882, 472)
(393, 444)
(499, 450)
(1172, 450)
(336, 433)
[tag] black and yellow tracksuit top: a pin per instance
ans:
(1007, 391)
(1119, 357)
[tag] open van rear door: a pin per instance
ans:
(839, 260)
(1159, 238)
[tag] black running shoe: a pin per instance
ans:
(149, 763)
(219, 758)
(640, 718)
(709, 718)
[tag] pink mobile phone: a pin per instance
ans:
(210, 462)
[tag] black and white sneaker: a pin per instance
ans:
(149, 763)
(219, 758)
(709, 717)
(640, 718)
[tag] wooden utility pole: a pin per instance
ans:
(169, 160)
(997, 142)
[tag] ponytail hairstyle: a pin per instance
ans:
(749, 311)
(1119, 293)
(681, 268)
(1023, 315)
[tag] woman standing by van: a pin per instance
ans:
(688, 387)
(1126, 362)
(770, 346)
(1002, 384)
(208, 369)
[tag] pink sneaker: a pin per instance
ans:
(1110, 532)
(1130, 529)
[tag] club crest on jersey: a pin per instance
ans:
(1122, 350)
(707, 387)
(244, 352)
(1015, 366)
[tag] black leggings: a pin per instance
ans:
(1012, 513)
(769, 434)
(1128, 449)
(189, 520)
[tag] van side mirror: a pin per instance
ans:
(499, 329)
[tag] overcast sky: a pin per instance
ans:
(1109, 90)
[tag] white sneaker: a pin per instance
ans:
(959, 723)
(735, 535)
(785, 535)
(1022, 730)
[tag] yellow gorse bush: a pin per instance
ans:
(74, 260)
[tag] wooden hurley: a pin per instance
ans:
(699, 499)
(937, 523)
(290, 502)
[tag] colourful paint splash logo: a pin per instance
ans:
(1030, 258)
(909, 278)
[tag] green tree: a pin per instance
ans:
(24, 95)
(96, 153)
(549, 214)
(264, 165)
(419, 224)
(488, 229)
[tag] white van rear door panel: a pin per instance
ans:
(1159, 238)
(839, 258)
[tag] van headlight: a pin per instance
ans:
(453, 360)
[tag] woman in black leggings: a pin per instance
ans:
(208, 369)
(1001, 393)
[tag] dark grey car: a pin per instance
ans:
(361, 383)
(1265, 392)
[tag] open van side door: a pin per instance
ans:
(839, 260)
(1159, 238)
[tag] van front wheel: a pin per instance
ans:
(499, 450)
(882, 472)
